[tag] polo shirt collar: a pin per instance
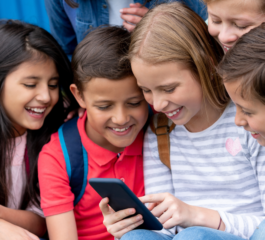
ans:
(104, 156)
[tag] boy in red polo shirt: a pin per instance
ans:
(110, 131)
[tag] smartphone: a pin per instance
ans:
(121, 197)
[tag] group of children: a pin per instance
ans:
(214, 187)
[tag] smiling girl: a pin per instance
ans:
(33, 69)
(215, 185)
(244, 78)
(229, 20)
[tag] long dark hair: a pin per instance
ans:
(19, 43)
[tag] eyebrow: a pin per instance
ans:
(164, 86)
(108, 101)
(243, 107)
(234, 19)
(169, 85)
(38, 78)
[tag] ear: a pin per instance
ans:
(78, 96)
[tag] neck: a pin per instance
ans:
(205, 118)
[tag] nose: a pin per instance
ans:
(240, 119)
(159, 102)
(121, 116)
(227, 35)
(43, 94)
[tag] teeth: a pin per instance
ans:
(36, 110)
(254, 133)
(120, 129)
(173, 113)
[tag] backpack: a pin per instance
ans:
(161, 126)
(75, 156)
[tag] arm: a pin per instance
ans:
(10, 231)
(56, 196)
(24, 219)
(62, 226)
(60, 25)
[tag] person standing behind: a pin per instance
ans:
(70, 20)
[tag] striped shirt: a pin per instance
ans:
(220, 168)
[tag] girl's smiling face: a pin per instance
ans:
(229, 20)
(172, 88)
(29, 94)
(250, 112)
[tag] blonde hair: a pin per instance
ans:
(174, 33)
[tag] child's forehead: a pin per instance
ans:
(236, 6)
(104, 88)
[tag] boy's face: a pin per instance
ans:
(250, 112)
(116, 111)
(228, 20)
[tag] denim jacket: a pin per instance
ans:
(69, 25)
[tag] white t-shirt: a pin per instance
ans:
(220, 168)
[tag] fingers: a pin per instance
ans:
(138, 11)
(70, 115)
(128, 26)
(151, 206)
(154, 198)
(138, 5)
(120, 228)
(131, 18)
(104, 207)
(167, 219)
(81, 112)
(117, 216)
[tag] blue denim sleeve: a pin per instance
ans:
(60, 26)
(197, 6)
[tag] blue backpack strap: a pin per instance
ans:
(75, 157)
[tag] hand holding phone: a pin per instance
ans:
(121, 222)
(122, 198)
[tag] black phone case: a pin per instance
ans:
(121, 197)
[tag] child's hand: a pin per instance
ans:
(133, 15)
(9, 231)
(170, 210)
(114, 222)
(71, 114)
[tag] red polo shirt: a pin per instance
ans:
(56, 195)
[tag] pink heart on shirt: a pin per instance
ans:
(233, 147)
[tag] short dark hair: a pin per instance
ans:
(246, 62)
(101, 54)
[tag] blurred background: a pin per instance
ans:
(30, 11)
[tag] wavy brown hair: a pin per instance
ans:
(245, 62)
(174, 33)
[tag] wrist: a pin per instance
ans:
(206, 218)
(197, 217)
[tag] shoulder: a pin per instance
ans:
(51, 155)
